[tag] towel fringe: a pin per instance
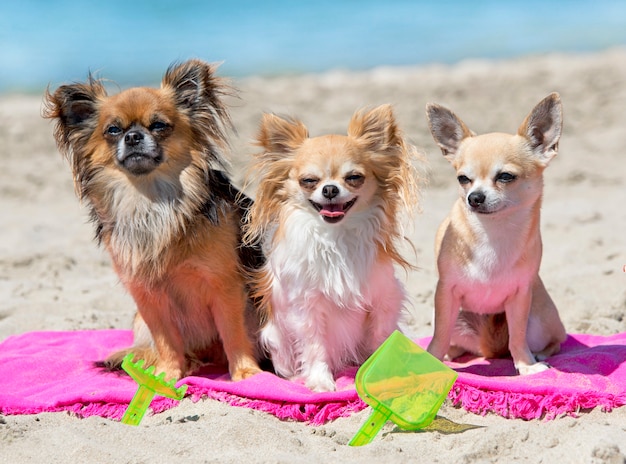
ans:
(529, 406)
(311, 413)
(510, 405)
(113, 411)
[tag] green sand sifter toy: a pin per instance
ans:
(149, 385)
(402, 383)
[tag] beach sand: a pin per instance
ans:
(53, 277)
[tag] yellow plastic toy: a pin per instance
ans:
(402, 383)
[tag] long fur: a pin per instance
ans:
(329, 291)
(173, 233)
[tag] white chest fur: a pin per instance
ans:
(333, 299)
(333, 260)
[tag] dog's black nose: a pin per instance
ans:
(133, 138)
(330, 191)
(476, 199)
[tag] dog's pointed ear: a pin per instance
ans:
(376, 127)
(194, 84)
(542, 127)
(197, 93)
(447, 129)
(75, 108)
(280, 136)
(73, 104)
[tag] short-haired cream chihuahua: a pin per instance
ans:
(490, 300)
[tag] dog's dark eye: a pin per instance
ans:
(158, 126)
(308, 183)
(355, 180)
(463, 180)
(505, 177)
(113, 131)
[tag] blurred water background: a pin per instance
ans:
(132, 42)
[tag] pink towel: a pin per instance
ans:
(589, 371)
(54, 371)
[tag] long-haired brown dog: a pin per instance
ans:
(148, 162)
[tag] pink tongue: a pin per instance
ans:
(332, 210)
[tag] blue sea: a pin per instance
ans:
(132, 42)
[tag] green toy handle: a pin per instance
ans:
(371, 427)
(138, 406)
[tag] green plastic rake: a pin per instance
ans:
(149, 385)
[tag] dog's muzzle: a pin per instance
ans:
(138, 153)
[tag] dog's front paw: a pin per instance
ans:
(320, 379)
(527, 369)
(244, 368)
(171, 371)
(241, 374)
(321, 385)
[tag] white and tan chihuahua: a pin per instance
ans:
(328, 210)
(490, 300)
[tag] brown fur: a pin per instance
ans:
(170, 220)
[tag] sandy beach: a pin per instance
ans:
(53, 276)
